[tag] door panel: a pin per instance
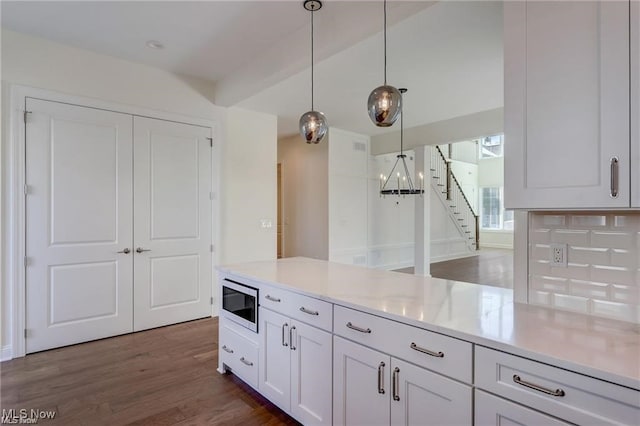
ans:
(172, 211)
(635, 103)
(310, 383)
(426, 398)
(275, 369)
(79, 215)
(356, 400)
(566, 103)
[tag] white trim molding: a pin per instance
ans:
(13, 217)
(6, 353)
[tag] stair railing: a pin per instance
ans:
(458, 203)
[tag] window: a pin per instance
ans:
(492, 213)
(491, 146)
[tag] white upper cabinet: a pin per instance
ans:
(567, 100)
(635, 103)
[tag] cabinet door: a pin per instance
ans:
(494, 411)
(275, 371)
(361, 385)
(635, 103)
(566, 104)
(420, 397)
(310, 374)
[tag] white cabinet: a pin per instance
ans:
(494, 411)
(554, 391)
(238, 351)
(296, 367)
(373, 388)
(567, 104)
(360, 385)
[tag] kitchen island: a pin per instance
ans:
(422, 344)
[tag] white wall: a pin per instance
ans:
(348, 188)
(249, 154)
(305, 194)
(491, 174)
(463, 128)
(248, 189)
(446, 241)
(391, 218)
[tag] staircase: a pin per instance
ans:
(448, 189)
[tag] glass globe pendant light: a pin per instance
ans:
(384, 103)
(313, 124)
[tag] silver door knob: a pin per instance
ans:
(140, 250)
(125, 251)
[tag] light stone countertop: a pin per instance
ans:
(485, 315)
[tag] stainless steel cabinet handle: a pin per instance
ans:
(291, 330)
(396, 384)
(245, 362)
(518, 380)
(284, 343)
(356, 328)
(614, 177)
(307, 311)
(381, 377)
(426, 351)
(273, 299)
(140, 250)
(227, 350)
(125, 251)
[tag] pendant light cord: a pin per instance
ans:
(312, 12)
(385, 41)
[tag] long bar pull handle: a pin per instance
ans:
(273, 299)
(381, 377)
(308, 311)
(426, 351)
(284, 342)
(396, 384)
(125, 251)
(291, 330)
(614, 176)
(227, 350)
(356, 328)
(245, 362)
(518, 380)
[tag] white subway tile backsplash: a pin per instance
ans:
(589, 220)
(571, 303)
(574, 237)
(588, 255)
(622, 240)
(602, 277)
(590, 289)
(613, 274)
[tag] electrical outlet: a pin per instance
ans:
(559, 255)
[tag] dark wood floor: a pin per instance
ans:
(490, 267)
(165, 376)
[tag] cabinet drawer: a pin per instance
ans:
(567, 395)
(309, 310)
(437, 352)
(239, 354)
(491, 410)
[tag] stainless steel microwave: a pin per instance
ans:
(240, 304)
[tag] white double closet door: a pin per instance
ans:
(118, 223)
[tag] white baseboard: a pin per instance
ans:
(446, 257)
(6, 353)
(498, 246)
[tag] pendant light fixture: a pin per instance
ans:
(313, 124)
(404, 184)
(384, 103)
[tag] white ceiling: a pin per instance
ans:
(449, 54)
